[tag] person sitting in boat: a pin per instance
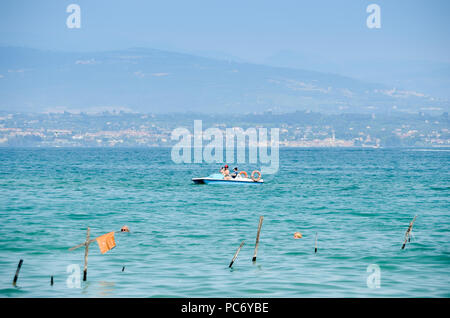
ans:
(235, 173)
(225, 172)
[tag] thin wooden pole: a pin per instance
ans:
(86, 251)
(78, 246)
(408, 232)
(315, 245)
(81, 245)
(261, 218)
(236, 254)
(17, 272)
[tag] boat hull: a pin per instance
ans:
(222, 181)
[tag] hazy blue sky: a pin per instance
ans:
(410, 52)
(249, 29)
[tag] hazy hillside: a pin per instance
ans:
(147, 80)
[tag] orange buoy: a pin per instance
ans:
(253, 175)
(244, 173)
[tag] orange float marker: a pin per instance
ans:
(106, 242)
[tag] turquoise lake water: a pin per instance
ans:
(183, 236)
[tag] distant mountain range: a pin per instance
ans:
(149, 80)
(427, 76)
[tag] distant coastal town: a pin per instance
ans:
(297, 129)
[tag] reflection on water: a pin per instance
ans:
(105, 289)
(99, 289)
(85, 287)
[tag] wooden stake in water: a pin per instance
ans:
(236, 254)
(86, 251)
(408, 232)
(17, 272)
(261, 218)
(315, 245)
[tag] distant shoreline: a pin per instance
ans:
(296, 129)
(430, 148)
